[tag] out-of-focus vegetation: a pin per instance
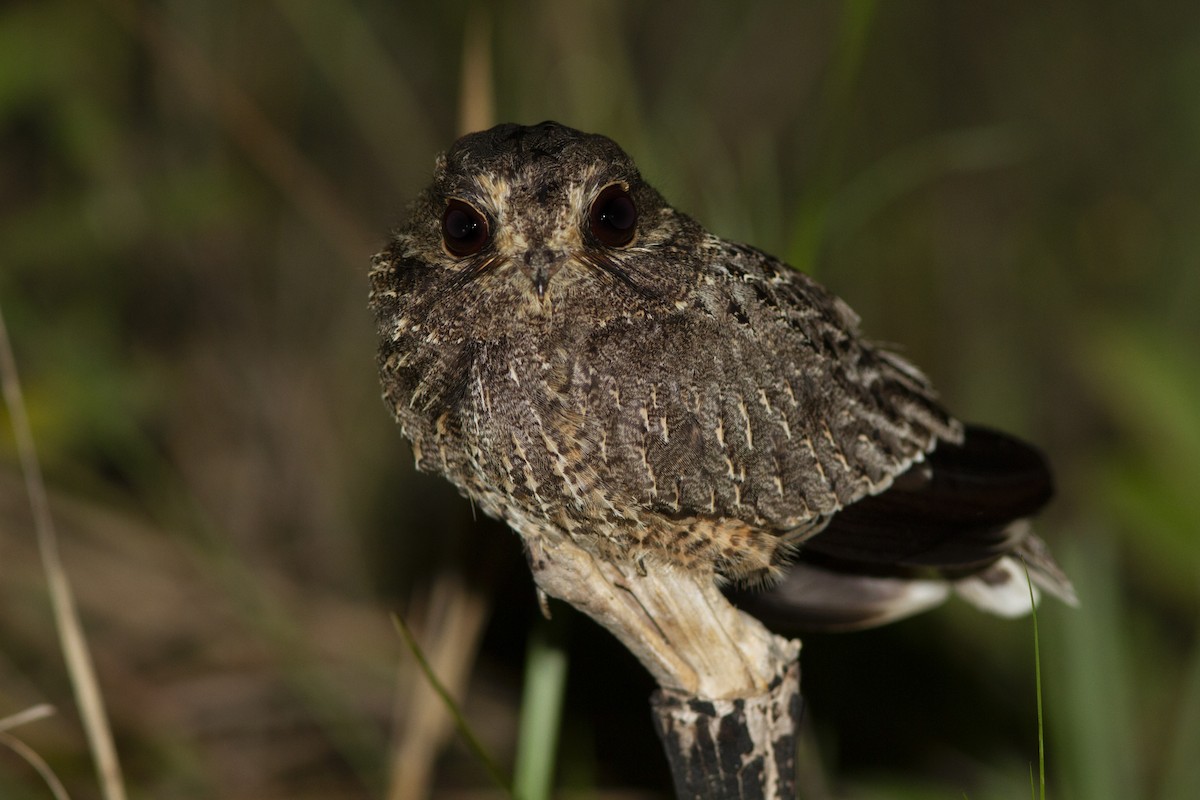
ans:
(189, 196)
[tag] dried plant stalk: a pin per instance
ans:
(729, 705)
(66, 615)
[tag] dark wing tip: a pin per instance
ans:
(952, 511)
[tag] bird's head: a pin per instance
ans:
(523, 224)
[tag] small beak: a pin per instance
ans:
(541, 279)
(540, 264)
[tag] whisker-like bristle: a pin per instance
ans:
(605, 263)
(473, 271)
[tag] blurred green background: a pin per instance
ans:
(190, 193)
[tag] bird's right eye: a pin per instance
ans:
(464, 229)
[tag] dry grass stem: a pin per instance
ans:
(70, 631)
(449, 630)
(32, 714)
(455, 613)
(37, 762)
(476, 101)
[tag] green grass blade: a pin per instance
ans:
(493, 770)
(839, 96)
(541, 709)
(1037, 671)
(1182, 773)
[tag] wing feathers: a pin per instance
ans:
(953, 511)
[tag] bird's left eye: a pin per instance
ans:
(613, 217)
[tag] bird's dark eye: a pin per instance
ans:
(613, 216)
(464, 229)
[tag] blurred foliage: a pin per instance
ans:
(189, 196)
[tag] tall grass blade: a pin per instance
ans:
(1182, 773)
(1099, 674)
(1037, 671)
(810, 221)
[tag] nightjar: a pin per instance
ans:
(578, 357)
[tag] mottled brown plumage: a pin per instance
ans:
(576, 355)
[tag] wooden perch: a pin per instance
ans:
(728, 705)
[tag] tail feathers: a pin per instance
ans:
(1044, 570)
(1003, 589)
(813, 597)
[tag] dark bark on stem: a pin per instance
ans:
(735, 749)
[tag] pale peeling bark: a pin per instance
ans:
(729, 702)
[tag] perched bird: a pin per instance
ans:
(577, 356)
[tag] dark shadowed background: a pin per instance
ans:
(190, 193)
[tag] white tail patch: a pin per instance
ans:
(1001, 589)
